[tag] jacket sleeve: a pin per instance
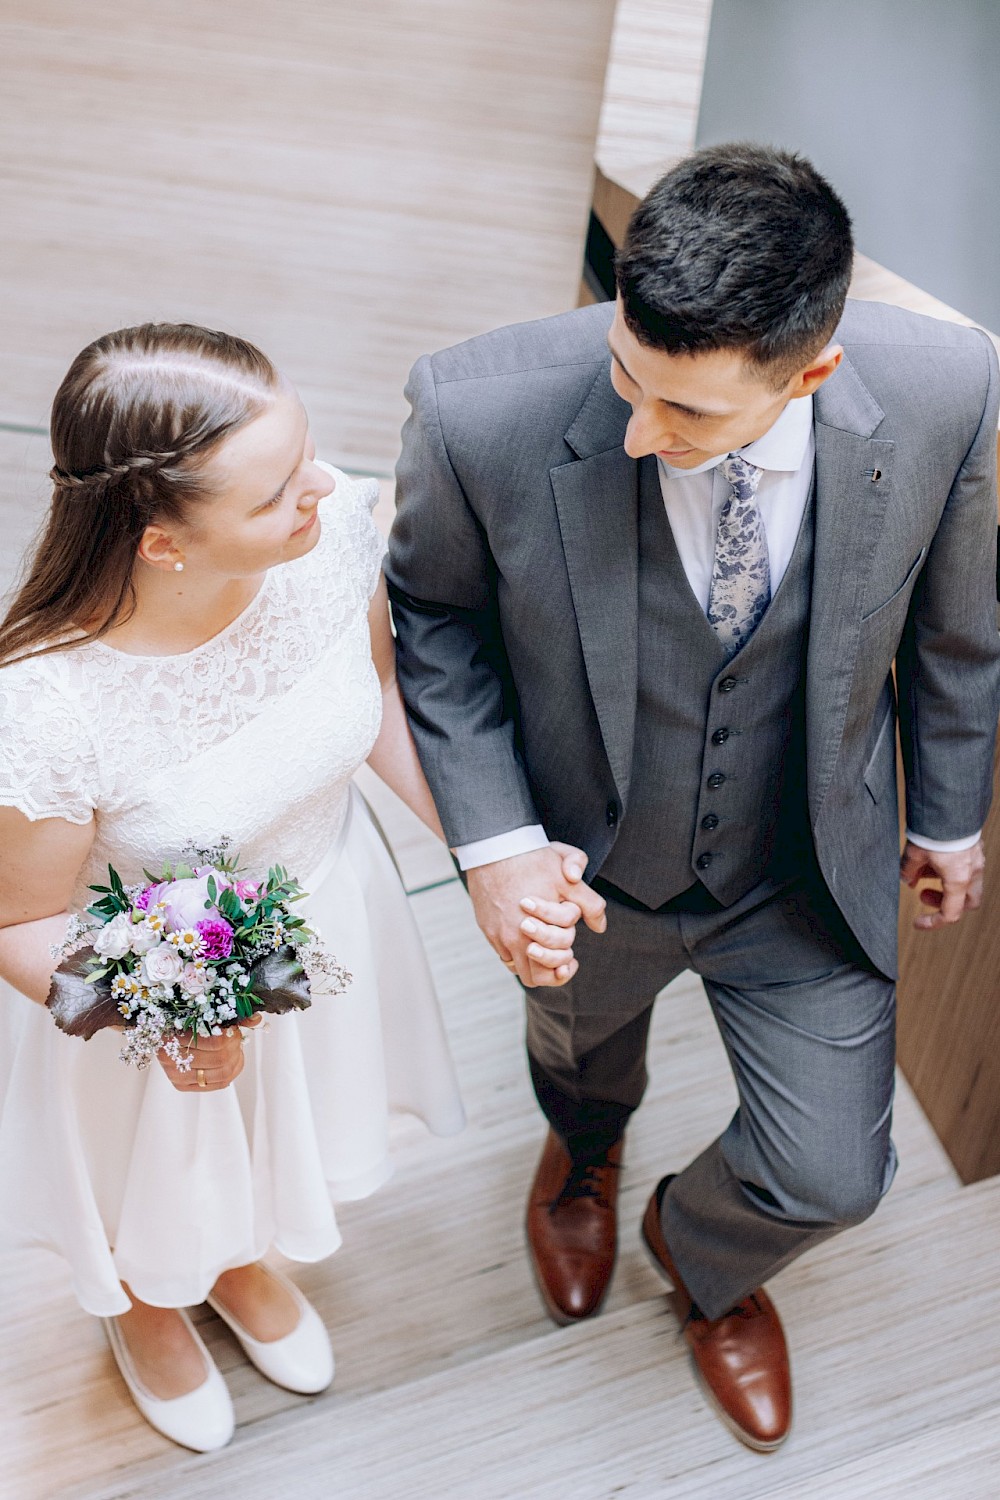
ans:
(948, 663)
(452, 664)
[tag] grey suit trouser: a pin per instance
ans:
(809, 1028)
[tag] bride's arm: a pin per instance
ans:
(394, 758)
(394, 755)
(38, 870)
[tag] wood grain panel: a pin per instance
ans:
(948, 1024)
(348, 185)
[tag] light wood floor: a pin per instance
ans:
(453, 1385)
(227, 164)
(350, 185)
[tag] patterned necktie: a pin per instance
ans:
(741, 573)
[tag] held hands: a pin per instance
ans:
(960, 874)
(216, 1061)
(533, 934)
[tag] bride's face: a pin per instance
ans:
(264, 487)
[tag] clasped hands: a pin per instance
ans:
(533, 933)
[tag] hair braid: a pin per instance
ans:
(137, 415)
(145, 464)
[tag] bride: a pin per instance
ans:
(201, 650)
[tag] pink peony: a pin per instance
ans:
(217, 935)
(247, 890)
(186, 901)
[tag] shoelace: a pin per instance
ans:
(583, 1181)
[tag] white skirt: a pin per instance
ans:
(130, 1180)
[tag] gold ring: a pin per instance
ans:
(201, 1078)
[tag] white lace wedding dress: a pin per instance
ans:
(255, 736)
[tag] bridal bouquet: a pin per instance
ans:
(195, 950)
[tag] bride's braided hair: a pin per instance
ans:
(111, 473)
(133, 423)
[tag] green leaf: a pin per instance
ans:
(230, 906)
(212, 890)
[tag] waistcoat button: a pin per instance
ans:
(727, 684)
(703, 861)
(709, 822)
(611, 813)
(720, 736)
(715, 780)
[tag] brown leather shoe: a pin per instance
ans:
(572, 1229)
(741, 1359)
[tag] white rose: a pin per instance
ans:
(115, 938)
(143, 938)
(162, 965)
(194, 981)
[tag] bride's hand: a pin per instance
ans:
(216, 1061)
(551, 925)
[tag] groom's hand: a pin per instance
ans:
(528, 907)
(960, 874)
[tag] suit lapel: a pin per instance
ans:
(850, 507)
(597, 504)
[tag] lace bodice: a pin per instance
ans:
(253, 735)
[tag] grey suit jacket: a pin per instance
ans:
(513, 575)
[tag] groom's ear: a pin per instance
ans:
(819, 369)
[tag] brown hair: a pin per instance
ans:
(133, 422)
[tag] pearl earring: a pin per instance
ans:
(178, 567)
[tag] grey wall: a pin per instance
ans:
(898, 103)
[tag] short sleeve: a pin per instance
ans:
(348, 514)
(48, 766)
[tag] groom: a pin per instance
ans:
(651, 568)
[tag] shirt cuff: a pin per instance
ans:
(500, 846)
(944, 846)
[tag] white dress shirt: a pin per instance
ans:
(694, 499)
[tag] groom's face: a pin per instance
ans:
(688, 408)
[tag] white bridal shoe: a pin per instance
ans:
(202, 1420)
(302, 1361)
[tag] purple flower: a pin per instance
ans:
(144, 897)
(217, 935)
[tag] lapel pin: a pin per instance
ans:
(875, 475)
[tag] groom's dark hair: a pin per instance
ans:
(739, 247)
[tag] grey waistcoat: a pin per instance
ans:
(718, 789)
